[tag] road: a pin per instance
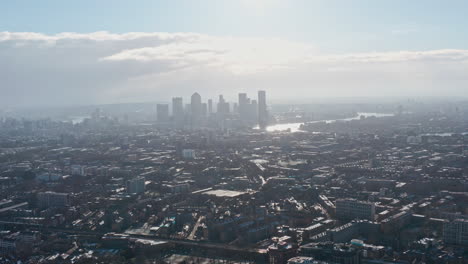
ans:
(195, 227)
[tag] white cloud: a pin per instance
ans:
(96, 36)
(238, 55)
(443, 55)
(71, 68)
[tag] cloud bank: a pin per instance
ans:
(102, 67)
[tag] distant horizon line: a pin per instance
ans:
(340, 99)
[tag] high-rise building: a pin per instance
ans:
(196, 109)
(223, 106)
(136, 185)
(162, 112)
(348, 209)
(456, 232)
(243, 99)
(196, 104)
(210, 106)
(248, 110)
(177, 106)
(253, 111)
(204, 110)
(52, 199)
(178, 111)
(262, 110)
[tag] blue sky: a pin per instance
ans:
(335, 26)
(106, 51)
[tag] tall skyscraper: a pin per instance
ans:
(262, 110)
(243, 100)
(223, 106)
(204, 110)
(178, 112)
(210, 106)
(177, 106)
(196, 109)
(162, 112)
(247, 115)
(253, 112)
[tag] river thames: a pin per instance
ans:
(295, 127)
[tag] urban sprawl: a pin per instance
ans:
(244, 182)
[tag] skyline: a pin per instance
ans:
(234, 131)
(127, 53)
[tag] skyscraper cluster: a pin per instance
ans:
(246, 112)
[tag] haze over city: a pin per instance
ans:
(233, 132)
(55, 53)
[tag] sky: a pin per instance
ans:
(56, 52)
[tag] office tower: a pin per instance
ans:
(349, 209)
(162, 112)
(210, 106)
(177, 107)
(52, 199)
(248, 110)
(204, 109)
(136, 185)
(178, 112)
(195, 104)
(252, 112)
(195, 109)
(243, 100)
(262, 110)
(223, 106)
(456, 232)
(220, 104)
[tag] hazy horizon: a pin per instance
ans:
(330, 100)
(233, 131)
(75, 54)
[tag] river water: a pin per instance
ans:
(294, 127)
